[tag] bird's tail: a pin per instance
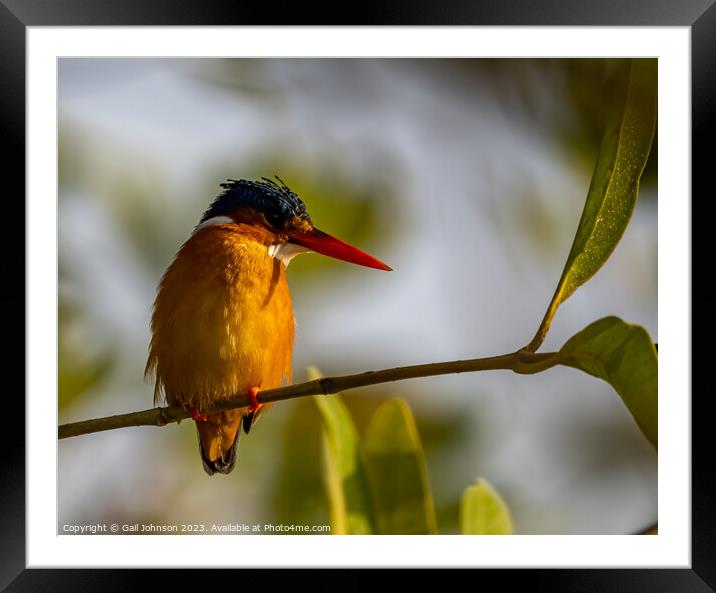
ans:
(219, 440)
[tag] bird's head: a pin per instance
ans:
(278, 210)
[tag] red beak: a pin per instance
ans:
(324, 243)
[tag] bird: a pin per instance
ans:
(222, 322)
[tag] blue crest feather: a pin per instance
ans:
(275, 200)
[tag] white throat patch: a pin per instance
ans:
(285, 252)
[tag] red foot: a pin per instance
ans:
(197, 415)
(253, 400)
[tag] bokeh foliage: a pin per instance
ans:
(396, 497)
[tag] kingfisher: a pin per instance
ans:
(222, 321)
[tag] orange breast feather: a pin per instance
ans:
(222, 320)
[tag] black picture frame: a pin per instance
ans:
(17, 15)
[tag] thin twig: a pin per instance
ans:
(520, 362)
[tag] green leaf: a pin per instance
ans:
(483, 512)
(615, 184)
(343, 468)
(397, 472)
(623, 355)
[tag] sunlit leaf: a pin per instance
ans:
(615, 184)
(397, 471)
(298, 495)
(623, 355)
(483, 512)
(344, 469)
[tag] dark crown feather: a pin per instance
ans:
(275, 200)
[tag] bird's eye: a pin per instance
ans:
(274, 219)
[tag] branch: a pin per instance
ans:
(520, 362)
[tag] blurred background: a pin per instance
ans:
(467, 176)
